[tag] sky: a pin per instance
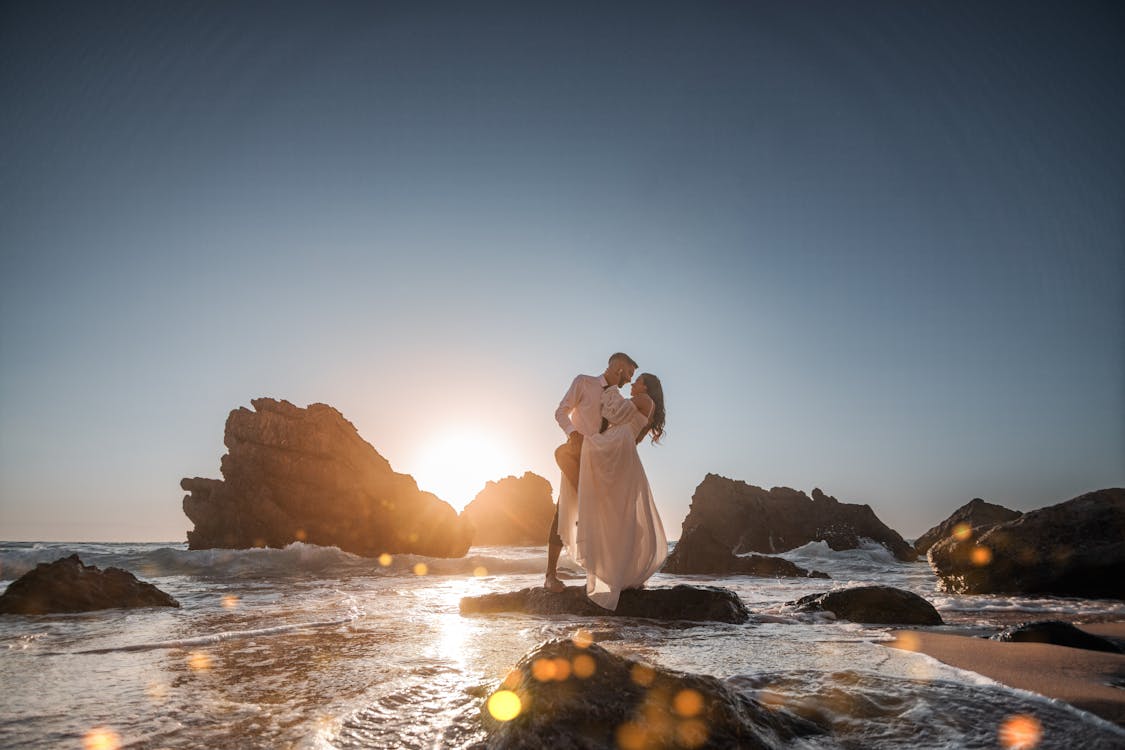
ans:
(876, 247)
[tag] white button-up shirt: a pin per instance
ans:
(585, 403)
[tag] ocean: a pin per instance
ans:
(311, 647)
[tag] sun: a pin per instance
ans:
(456, 465)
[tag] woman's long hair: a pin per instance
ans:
(656, 393)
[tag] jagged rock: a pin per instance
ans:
(745, 518)
(512, 511)
(1075, 548)
(577, 697)
(1057, 633)
(874, 604)
(698, 551)
(293, 474)
(697, 603)
(974, 514)
(66, 585)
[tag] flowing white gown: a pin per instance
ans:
(609, 523)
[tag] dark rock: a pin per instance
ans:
(697, 603)
(874, 604)
(976, 514)
(512, 511)
(698, 551)
(745, 518)
(66, 585)
(1076, 548)
(295, 474)
(585, 698)
(1056, 633)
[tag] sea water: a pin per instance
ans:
(311, 647)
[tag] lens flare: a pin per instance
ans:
(642, 674)
(199, 661)
(582, 638)
(101, 738)
(230, 601)
(908, 641)
(480, 571)
(584, 666)
(1020, 732)
(981, 556)
(385, 559)
(688, 703)
(300, 535)
(631, 736)
(562, 669)
(691, 733)
(504, 705)
(421, 569)
(543, 669)
(962, 531)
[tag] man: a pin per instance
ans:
(579, 415)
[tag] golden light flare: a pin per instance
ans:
(543, 669)
(101, 738)
(457, 465)
(300, 535)
(962, 531)
(642, 674)
(584, 666)
(1020, 732)
(480, 571)
(631, 736)
(688, 703)
(908, 641)
(230, 601)
(421, 569)
(691, 733)
(385, 559)
(981, 556)
(582, 638)
(504, 705)
(199, 661)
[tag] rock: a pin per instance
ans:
(874, 604)
(1075, 548)
(974, 514)
(293, 474)
(745, 518)
(575, 697)
(66, 585)
(512, 511)
(1056, 633)
(697, 603)
(699, 552)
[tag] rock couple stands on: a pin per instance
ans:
(293, 474)
(729, 518)
(66, 585)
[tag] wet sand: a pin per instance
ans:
(1082, 678)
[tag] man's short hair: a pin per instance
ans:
(624, 356)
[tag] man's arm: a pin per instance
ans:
(566, 406)
(615, 407)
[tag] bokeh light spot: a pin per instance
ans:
(562, 669)
(300, 535)
(230, 601)
(421, 569)
(691, 733)
(908, 641)
(385, 559)
(1020, 732)
(543, 669)
(688, 703)
(101, 738)
(642, 674)
(962, 531)
(504, 705)
(582, 638)
(584, 666)
(480, 571)
(631, 736)
(199, 661)
(981, 556)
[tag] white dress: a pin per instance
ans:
(612, 528)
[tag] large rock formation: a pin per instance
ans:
(577, 695)
(293, 474)
(66, 585)
(745, 518)
(512, 511)
(872, 604)
(698, 551)
(1076, 548)
(695, 603)
(974, 514)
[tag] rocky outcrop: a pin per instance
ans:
(66, 585)
(512, 511)
(745, 518)
(873, 604)
(293, 474)
(693, 603)
(577, 695)
(975, 514)
(698, 551)
(1076, 548)
(1056, 633)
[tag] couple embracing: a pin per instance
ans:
(606, 516)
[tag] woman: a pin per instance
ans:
(620, 540)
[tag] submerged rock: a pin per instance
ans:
(1076, 548)
(698, 551)
(293, 474)
(745, 518)
(974, 514)
(697, 603)
(66, 585)
(1057, 633)
(873, 604)
(577, 695)
(512, 511)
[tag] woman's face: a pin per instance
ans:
(637, 387)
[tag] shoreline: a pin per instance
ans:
(1088, 680)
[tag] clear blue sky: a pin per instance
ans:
(877, 248)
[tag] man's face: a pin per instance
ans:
(624, 373)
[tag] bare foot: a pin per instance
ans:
(554, 585)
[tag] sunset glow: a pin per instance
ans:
(455, 466)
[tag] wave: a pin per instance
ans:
(1052, 605)
(226, 635)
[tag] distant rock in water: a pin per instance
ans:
(577, 695)
(974, 514)
(698, 551)
(745, 518)
(872, 604)
(66, 585)
(695, 603)
(1056, 633)
(293, 474)
(512, 511)
(1076, 548)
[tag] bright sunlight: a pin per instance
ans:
(456, 465)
